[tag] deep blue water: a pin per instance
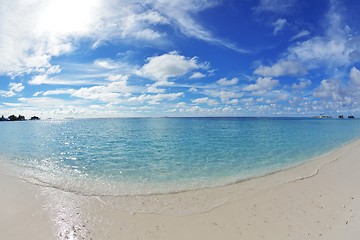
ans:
(160, 155)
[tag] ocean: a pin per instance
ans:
(140, 156)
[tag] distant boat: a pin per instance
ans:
(351, 116)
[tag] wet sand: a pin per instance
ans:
(317, 200)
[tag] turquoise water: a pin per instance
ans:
(160, 155)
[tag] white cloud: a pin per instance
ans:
(318, 51)
(224, 95)
(301, 85)
(6, 93)
(106, 63)
(205, 100)
(156, 98)
(114, 91)
(335, 48)
(42, 101)
(278, 25)
(282, 68)
(45, 107)
(234, 101)
(301, 34)
(355, 77)
(169, 65)
(226, 82)
(340, 93)
(197, 75)
(330, 89)
(32, 33)
(154, 89)
(193, 90)
(181, 105)
(228, 109)
(332, 48)
(14, 88)
(53, 69)
(55, 92)
(117, 78)
(108, 93)
(262, 85)
(45, 79)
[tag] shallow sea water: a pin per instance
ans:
(133, 156)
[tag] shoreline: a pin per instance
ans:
(319, 198)
(16, 170)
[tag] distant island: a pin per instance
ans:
(325, 116)
(17, 118)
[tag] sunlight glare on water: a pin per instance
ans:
(160, 155)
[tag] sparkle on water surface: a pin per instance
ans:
(161, 155)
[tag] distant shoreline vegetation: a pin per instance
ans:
(17, 118)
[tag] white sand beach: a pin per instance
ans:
(317, 200)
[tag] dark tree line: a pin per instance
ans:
(17, 118)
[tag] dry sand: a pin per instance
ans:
(317, 200)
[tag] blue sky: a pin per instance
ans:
(123, 58)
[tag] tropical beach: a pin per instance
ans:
(181, 119)
(317, 200)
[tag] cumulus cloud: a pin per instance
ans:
(329, 49)
(197, 75)
(14, 88)
(224, 95)
(169, 65)
(118, 77)
(106, 63)
(155, 98)
(335, 48)
(355, 77)
(322, 51)
(205, 100)
(278, 25)
(301, 85)
(153, 89)
(110, 93)
(282, 68)
(32, 33)
(330, 89)
(55, 92)
(226, 82)
(113, 91)
(340, 92)
(262, 85)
